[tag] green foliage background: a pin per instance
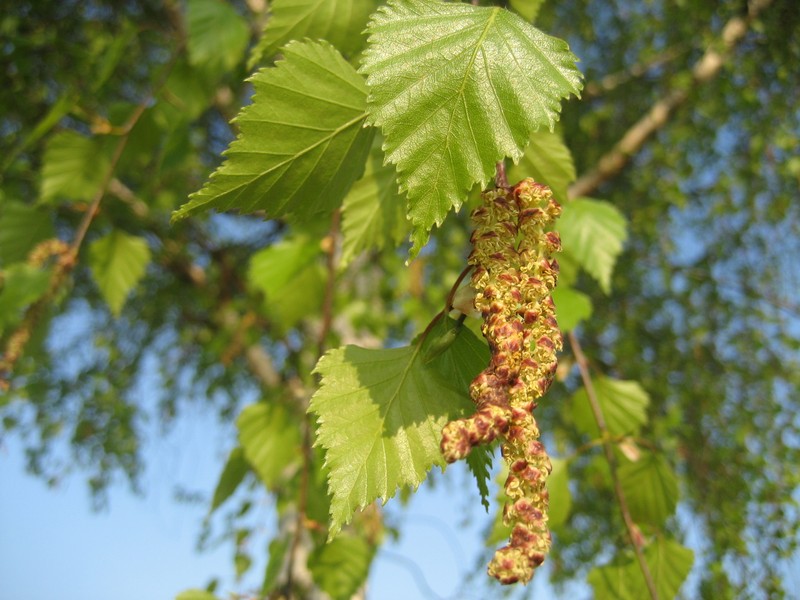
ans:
(679, 274)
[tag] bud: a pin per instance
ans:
(513, 277)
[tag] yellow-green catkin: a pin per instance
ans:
(513, 276)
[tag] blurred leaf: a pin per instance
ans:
(558, 489)
(22, 285)
(669, 564)
(118, 262)
(341, 566)
(270, 438)
(527, 9)
(341, 23)
(593, 231)
(302, 142)
(73, 168)
(218, 35)
(236, 467)
(651, 488)
(447, 88)
(381, 414)
(196, 595)
(277, 554)
(22, 227)
(373, 213)
(572, 307)
(291, 279)
(624, 405)
(548, 160)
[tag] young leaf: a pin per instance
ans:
(527, 9)
(455, 88)
(669, 564)
(21, 228)
(624, 405)
(270, 439)
(196, 595)
(74, 167)
(651, 488)
(302, 142)
(572, 307)
(118, 262)
(340, 567)
(341, 23)
(593, 231)
(373, 213)
(20, 285)
(291, 279)
(381, 414)
(233, 473)
(548, 160)
(560, 496)
(217, 37)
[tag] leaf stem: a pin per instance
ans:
(633, 531)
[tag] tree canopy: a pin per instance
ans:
(273, 198)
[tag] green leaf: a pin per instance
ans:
(373, 213)
(217, 35)
(73, 168)
(479, 461)
(572, 307)
(381, 414)
(560, 496)
(302, 142)
(527, 9)
(236, 467)
(340, 567)
(20, 286)
(669, 563)
(196, 595)
(291, 279)
(341, 23)
(456, 88)
(624, 405)
(650, 487)
(277, 552)
(548, 160)
(593, 232)
(270, 438)
(118, 262)
(22, 227)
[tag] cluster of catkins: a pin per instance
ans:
(513, 277)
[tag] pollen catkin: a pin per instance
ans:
(514, 275)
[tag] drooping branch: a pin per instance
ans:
(703, 71)
(634, 534)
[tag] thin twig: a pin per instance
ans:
(500, 178)
(633, 531)
(704, 70)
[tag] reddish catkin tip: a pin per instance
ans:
(513, 283)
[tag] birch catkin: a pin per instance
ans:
(514, 275)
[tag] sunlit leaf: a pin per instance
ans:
(218, 35)
(270, 438)
(572, 307)
(236, 467)
(22, 284)
(381, 414)
(341, 566)
(455, 88)
(593, 232)
(374, 212)
(527, 9)
(21, 228)
(558, 489)
(650, 487)
(624, 405)
(340, 22)
(118, 262)
(302, 142)
(74, 167)
(548, 160)
(669, 564)
(196, 595)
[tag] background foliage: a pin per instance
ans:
(679, 275)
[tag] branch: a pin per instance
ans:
(703, 71)
(614, 80)
(634, 534)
